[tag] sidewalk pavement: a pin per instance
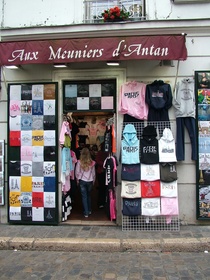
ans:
(89, 238)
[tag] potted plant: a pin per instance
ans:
(115, 14)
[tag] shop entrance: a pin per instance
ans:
(91, 129)
(91, 104)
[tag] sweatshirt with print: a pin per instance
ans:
(149, 145)
(184, 99)
(88, 175)
(132, 100)
(159, 99)
(166, 143)
(130, 145)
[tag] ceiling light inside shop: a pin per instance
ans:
(60, 65)
(113, 63)
(12, 66)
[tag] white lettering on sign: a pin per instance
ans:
(69, 54)
(23, 56)
(128, 50)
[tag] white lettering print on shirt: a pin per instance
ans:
(150, 149)
(157, 94)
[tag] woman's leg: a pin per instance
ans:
(83, 189)
(89, 189)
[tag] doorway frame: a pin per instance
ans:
(91, 74)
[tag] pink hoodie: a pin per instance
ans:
(89, 175)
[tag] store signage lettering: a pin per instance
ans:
(93, 49)
(139, 50)
(67, 54)
(22, 55)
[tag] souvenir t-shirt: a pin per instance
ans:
(169, 206)
(150, 172)
(131, 207)
(150, 206)
(150, 188)
(130, 172)
(168, 189)
(130, 189)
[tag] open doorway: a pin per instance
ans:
(90, 134)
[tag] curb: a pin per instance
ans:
(106, 245)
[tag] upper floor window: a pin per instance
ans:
(94, 9)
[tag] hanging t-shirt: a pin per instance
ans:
(130, 189)
(108, 139)
(168, 189)
(150, 206)
(150, 188)
(110, 172)
(131, 172)
(150, 172)
(169, 206)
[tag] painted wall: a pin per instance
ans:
(24, 13)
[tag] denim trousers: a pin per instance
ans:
(85, 188)
(189, 123)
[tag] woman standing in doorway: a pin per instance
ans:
(85, 175)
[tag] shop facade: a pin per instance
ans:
(85, 58)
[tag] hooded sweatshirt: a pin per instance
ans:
(184, 99)
(130, 145)
(159, 99)
(149, 145)
(166, 147)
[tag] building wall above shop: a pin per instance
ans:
(23, 13)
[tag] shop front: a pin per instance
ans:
(40, 189)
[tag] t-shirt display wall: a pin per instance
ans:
(202, 79)
(89, 95)
(148, 157)
(32, 153)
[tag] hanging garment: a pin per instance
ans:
(167, 151)
(130, 145)
(131, 172)
(108, 139)
(184, 99)
(168, 172)
(74, 132)
(150, 172)
(112, 201)
(132, 100)
(130, 189)
(190, 124)
(149, 145)
(184, 104)
(150, 188)
(110, 167)
(150, 206)
(131, 207)
(114, 145)
(159, 99)
(168, 189)
(64, 134)
(169, 206)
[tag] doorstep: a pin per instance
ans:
(88, 223)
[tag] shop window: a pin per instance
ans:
(93, 96)
(94, 8)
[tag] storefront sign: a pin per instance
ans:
(93, 49)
